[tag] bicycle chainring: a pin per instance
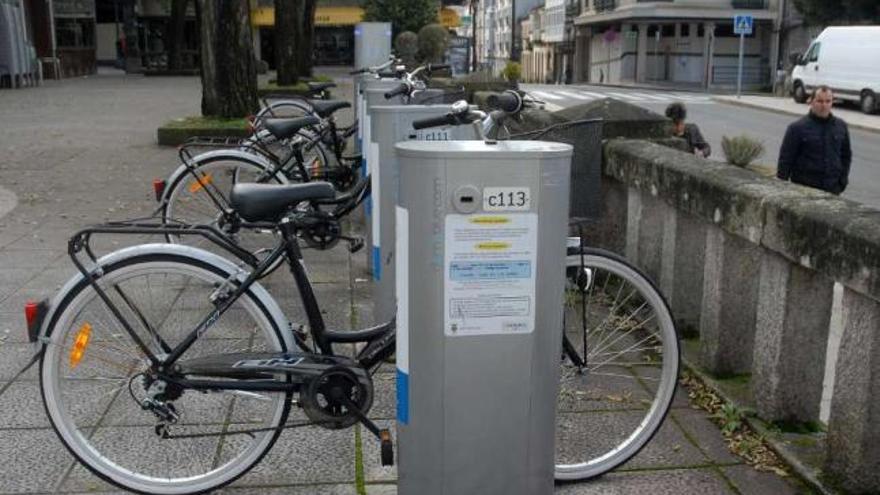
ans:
(320, 401)
(322, 235)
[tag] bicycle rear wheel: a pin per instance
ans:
(199, 196)
(619, 367)
(93, 380)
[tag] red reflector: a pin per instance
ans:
(251, 118)
(31, 313)
(159, 188)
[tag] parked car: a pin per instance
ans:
(847, 59)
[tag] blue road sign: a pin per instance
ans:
(742, 24)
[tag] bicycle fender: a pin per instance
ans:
(235, 155)
(196, 254)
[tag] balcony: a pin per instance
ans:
(604, 5)
(749, 4)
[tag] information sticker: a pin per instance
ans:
(490, 274)
(432, 134)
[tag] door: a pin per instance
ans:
(812, 74)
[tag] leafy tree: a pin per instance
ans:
(433, 41)
(294, 36)
(826, 12)
(406, 46)
(229, 74)
(404, 15)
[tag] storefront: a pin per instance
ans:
(334, 34)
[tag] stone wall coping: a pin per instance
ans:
(815, 229)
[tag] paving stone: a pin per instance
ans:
(306, 455)
(13, 357)
(21, 406)
(316, 489)
(677, 482)
(374, 471)
(753, 482)
(33, 461)
(708, 436)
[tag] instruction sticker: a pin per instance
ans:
(431, 134)
(490, 274)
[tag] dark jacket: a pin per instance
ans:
(695, 140)
(816, 152)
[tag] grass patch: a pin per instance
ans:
(206, 123)
(807, 427)
(177, 131)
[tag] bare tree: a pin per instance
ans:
(175, 33)
(229, 76)
(294, 37)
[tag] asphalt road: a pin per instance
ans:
(720, 119)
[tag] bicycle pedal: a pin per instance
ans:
(387, 448)
(355, 244)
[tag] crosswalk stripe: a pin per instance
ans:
(590, 93)
(652, 97)
(687, 97)
(573, 94)
(545, 96)
(626, 96)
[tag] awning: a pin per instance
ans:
(324, 16)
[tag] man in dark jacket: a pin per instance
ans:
(816, 151)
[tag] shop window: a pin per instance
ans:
(75, 33)
(685, 30)
(725, 30)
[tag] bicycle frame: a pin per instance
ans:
(379, 339)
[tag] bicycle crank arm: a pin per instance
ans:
(384, 435)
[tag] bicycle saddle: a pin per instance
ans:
(268, 202)
(325, 108)
(320, 86)
(285, 128)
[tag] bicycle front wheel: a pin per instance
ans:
(619, 365)
(94, 378)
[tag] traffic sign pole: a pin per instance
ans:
(739, 74)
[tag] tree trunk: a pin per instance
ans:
(229, 76)
(294, 32)
(175, 33)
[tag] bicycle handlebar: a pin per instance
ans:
(433, 67)
(508, 102)
(439, 121)
(402, 89)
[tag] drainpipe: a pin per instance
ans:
(56, 66)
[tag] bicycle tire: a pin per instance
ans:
(108, 431)
(188, 200)
(609, 409)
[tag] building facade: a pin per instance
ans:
(498, 36)
(686, 43)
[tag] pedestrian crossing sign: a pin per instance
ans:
(742, 24)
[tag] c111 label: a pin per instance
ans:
(507, 199)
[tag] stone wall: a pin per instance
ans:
(750, 264)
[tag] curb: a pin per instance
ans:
(874, 129)
(804, 472)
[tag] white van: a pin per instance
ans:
(847, 59)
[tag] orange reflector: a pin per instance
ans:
(79, 345)
(198, 184)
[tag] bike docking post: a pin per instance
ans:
(372, 46)
(480, 274)
(365, 82)
(374, 94)
(391, 124)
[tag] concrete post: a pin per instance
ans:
(854, 427)
(651, 235)
(794, 311)
(681, 279)
(730, 293)
(642, 54)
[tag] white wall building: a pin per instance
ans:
(675, 42)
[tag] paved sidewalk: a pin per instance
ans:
(853, 117)
(81, 151)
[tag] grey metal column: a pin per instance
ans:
(372, 46)
(373, 93)
(391, 124)
(481, 235)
